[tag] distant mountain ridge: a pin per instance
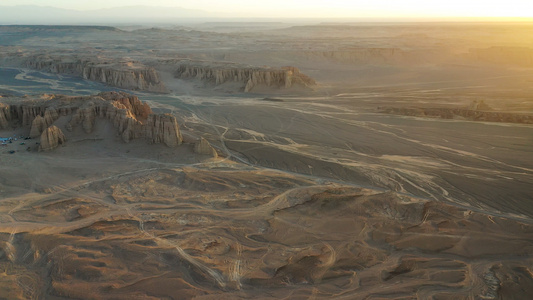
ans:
(30, 15)
(56, 27)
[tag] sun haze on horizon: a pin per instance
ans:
(319, 8)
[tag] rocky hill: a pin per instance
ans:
(250, 77)
(126, 74)
(49, 115)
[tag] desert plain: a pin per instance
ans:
(267, 160)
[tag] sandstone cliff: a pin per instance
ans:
(38, 125)
(127, 74)
(51, 138)
(131, 118)
(24, 112)
(250, 77)
(163, 129)
(203, 147)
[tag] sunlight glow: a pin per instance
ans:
(318, 8)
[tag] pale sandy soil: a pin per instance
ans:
(110, 220)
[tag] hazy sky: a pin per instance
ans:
(318, 8)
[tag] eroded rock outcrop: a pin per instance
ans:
(131, 118)
(250, 77)
(203, 147)
(126, 74)
(4, 116)
(50, 115)
(51, 138)
(37, 126)
(163, 129)
(460, 113)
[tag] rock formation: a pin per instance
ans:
(163, 129)
(132, 118)
(51, 138)
(38, 125)
(50, 115)
(4, 114)
(461, 113)
(127, 74)
(203, 147)
(250, 77)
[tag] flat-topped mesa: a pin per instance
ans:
(132, 118)
(250, 77)
(38, 125)
(4, 115)
(128, 75)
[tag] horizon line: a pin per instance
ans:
(383, 18)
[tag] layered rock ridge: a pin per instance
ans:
(471, 114)
(249, 77)
(131, 118)
(129, 75)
